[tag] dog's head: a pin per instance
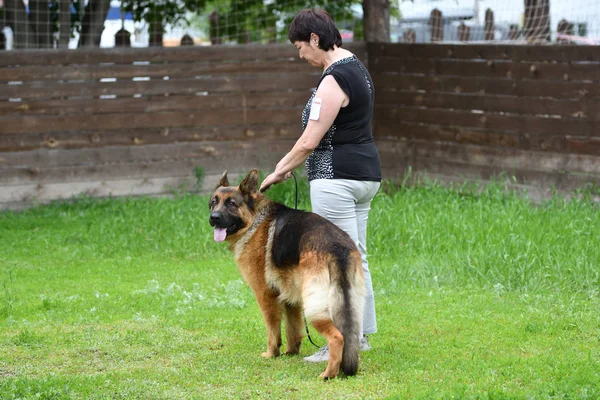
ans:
(232, 207)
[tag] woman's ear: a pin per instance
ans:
(314, 39)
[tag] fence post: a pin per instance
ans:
(464, 32)
(122, 38)
(271, 34)
(156, 31)
(489, 24)
(215, 31)
(437, 25)
(564, 28)
(514, 33)
(537, 21)
(186, 40)
(244, 37)
(409, 36)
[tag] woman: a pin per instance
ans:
(342, 162)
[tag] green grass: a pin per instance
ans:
(479, 294)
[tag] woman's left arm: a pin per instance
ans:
(332, 98)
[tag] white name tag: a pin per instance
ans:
(315, 109)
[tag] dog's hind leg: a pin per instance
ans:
(293, 328)
(335, 341)
(271, 311)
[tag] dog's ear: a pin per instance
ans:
(224, 181)
(250, 184)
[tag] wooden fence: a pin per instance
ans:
(141, 121)
(477, 111)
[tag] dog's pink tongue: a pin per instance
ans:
(220, 234)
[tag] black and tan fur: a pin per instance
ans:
(295, 262)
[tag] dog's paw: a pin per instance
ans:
(269, 354)
(326, 376)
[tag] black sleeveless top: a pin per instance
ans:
(347, 151)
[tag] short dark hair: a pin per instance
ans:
(315, 21)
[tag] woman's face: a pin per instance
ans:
(310, 52)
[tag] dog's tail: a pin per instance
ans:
(347, 302)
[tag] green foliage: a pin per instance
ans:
(241, 21)
(164, 11)
(254, 20)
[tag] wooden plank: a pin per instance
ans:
(166, 119)
(135, 171)
(27, 195)
(217, 83)
(486, 52)
(474, 136)
(58, 174)
(436, 133)
(562, 71)
(129, 71)
(538, 174)
(446, 160)
(156, 103)
(157, 135)
(160, 54)
(505, 159)
(228, 150)
(497, 86)
(491, 103)
(168, 168)
(583, 145)
(528, 125)
(536, 181)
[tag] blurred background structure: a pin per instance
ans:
(30, 24)
(141, 97)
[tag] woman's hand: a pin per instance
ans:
(274, 178)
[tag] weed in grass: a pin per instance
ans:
(199, 174)
(26, 338)
(8, 300)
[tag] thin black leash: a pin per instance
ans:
(295, 208)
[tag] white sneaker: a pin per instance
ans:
(364, 344)
(321, 355)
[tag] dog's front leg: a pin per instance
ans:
(271, 311)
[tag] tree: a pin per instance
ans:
(376, 19)
(92, 24)
(64, 24)
(159, 13)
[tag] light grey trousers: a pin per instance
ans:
(346, 203)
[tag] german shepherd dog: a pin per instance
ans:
(295, 262)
